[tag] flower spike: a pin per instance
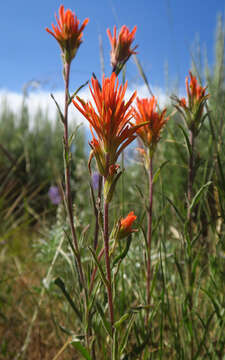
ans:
(67, 33)
(121, 47)
(109, 123)
(146, 112)
(192, 109)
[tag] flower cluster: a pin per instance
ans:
(109, 123)
(192, 109)
(67, 33)
(154, 121)
(121, 47)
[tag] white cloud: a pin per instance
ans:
(42, 100)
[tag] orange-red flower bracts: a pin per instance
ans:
(192, 109)
(146, 112)
(125, 225)
(109, 123)
(67, 32)
(121, 46)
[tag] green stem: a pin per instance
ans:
(107, 261)
(97, 214)
(106, 249)
(67, 172)
(190, 232)
(149, 238)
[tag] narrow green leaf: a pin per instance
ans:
(123, 343)
(105, 322)
(109, 191)
(124, 252)
(58, 108)
(176, 209)
(197, 196)
(140, 191)
(81, 349)
(115, 354)
(221, 171)
(105, 281)
(59, 282)
(157, 173)
(142, 73)
(76, 92)
(74, 134)
(180, 272)
(123, 318)
(186, 139)
(214, 302)
(205, 335)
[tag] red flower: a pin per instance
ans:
(125, 225)
(67, 33)
(109, 123)
(121, 47)
(196, 92)
(192, 109)
(146, 112)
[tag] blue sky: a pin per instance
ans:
(166, 29)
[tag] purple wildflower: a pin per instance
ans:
(54, 195)
(95, 180)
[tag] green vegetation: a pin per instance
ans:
(41, 303)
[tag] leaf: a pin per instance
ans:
(109, 190)
(124, 252)
(140, 191)
(74, 134)
(142, 73)
(76, 92)
(176, 209)
(105, 322)
(123, 343)
(186, 139)
(180, 272)
(197, 196)
(157, 173)
(58, 281)
(80, 348)
(115, 355)
(123, 318)
(221, 171)
(58, 108)
(205, 335)
(214, 302)
(105, 281)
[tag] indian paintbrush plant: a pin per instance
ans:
(109, 328)
(112, 133)
(150, 135)
(193, 112)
